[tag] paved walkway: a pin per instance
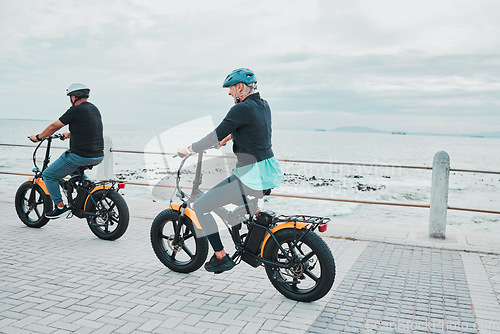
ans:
(62, 279)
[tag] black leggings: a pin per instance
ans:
(229, 191)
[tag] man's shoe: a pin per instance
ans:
(217, 266)
(58, 212)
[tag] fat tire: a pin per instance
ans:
(324, 257)
(158, 240)
(123, 215)
(20, 203)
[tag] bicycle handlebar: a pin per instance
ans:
(182, 156)
(47, 157)
(193, 153)
(56, 135)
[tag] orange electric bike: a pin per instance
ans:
(298, 263)
(99, 203)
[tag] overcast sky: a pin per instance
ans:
(396, 65)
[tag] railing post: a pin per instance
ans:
(439, 195)
(105, 168)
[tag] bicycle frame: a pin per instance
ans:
(304, 224)
(297, 262)
(38, 180)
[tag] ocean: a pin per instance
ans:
(338, 181)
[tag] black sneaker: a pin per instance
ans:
(58, 212)
(217, 266)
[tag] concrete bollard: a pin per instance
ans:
(105, 168)
(439, 195)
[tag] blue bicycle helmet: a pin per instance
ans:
(240, 75)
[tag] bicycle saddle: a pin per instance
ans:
(81, 169)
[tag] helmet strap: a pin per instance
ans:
(76, 100)
(236, 94)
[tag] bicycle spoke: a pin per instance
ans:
(188, 235)
(308, 256)
(109, 203)
(299, 248)
(188, 251)
(311, 275)
(37, 212)
(112, 206)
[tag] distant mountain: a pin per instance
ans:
(486, 134)
(359, 129)
(362, 129)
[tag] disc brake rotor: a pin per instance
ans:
(297, 271)
(174, 248)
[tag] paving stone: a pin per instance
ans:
(385, 281)
(68, 281)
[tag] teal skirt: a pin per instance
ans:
(262, 175)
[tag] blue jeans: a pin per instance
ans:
(66, 164)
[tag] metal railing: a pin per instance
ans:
(447, 170)
(292, 160)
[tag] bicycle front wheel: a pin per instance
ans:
(308, 269)
(32, 207)
(175, 243)
(112, 215)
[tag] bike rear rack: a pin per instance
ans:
(315, 222)
(302, 219)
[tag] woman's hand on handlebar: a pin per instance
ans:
(66, 135)
(182, 152)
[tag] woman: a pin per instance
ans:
(248, 124)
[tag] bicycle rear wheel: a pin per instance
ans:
(112, 212)
(309, 266)
(175, 242)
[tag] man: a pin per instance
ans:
(248, 124)
(86, 145)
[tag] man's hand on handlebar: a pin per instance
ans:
(34, 138)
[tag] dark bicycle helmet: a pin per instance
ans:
(79, 90)
(240, 75)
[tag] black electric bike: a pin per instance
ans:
(99, 203)
(297, 261)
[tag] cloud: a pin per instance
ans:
(342, 62)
